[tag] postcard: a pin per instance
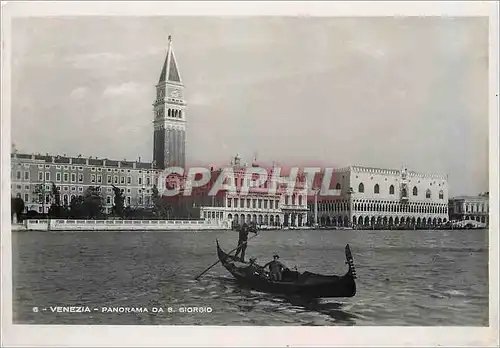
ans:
(249, 173)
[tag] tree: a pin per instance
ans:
(40, 191)
(155, 193)
(17, 207)
(76, 208)
(55, 207)
(88, 206)
(93, 202)
(118, 201)
(138, 213)
(161, 206)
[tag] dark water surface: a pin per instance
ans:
(404, 277)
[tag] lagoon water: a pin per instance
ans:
(422, 278)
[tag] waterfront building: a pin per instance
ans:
(260, 205)
(366, 196)
(32, 174)
(467, 208)
(371, 197)
(32, 177)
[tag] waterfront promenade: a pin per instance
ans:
(121, 225)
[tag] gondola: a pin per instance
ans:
(293, 283)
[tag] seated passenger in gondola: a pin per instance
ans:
(276, 268)
(253, 268)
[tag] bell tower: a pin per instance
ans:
(169, 110)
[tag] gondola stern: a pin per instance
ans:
(351, 294)
(350, 262)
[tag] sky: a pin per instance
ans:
(381, 92)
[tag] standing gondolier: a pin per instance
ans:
(242, 241)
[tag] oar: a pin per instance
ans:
(216, 262)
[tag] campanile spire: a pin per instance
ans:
(170, 71)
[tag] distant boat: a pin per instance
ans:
(306, 284)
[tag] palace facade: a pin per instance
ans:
(371, 197)
(463, 208)
(260, 205)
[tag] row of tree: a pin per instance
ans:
(90, 205)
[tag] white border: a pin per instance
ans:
(101, 335)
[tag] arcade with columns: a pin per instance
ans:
(259, 206)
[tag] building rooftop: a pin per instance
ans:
(480, 196)
(393, 171)
(93, 161)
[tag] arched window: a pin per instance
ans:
(337, 187)
(428, 193)
(391, 189)
(180, 114)
(300, 200)
(415, 191)
(361, 188)
(441, 194)
(286, 200)
(376, 189)
(168, 113)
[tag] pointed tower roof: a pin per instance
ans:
(169, 72)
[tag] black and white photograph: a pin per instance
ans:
(177, 170)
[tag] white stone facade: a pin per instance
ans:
(384, 197)
(474, 208)
(259, 205)
(263, 209)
